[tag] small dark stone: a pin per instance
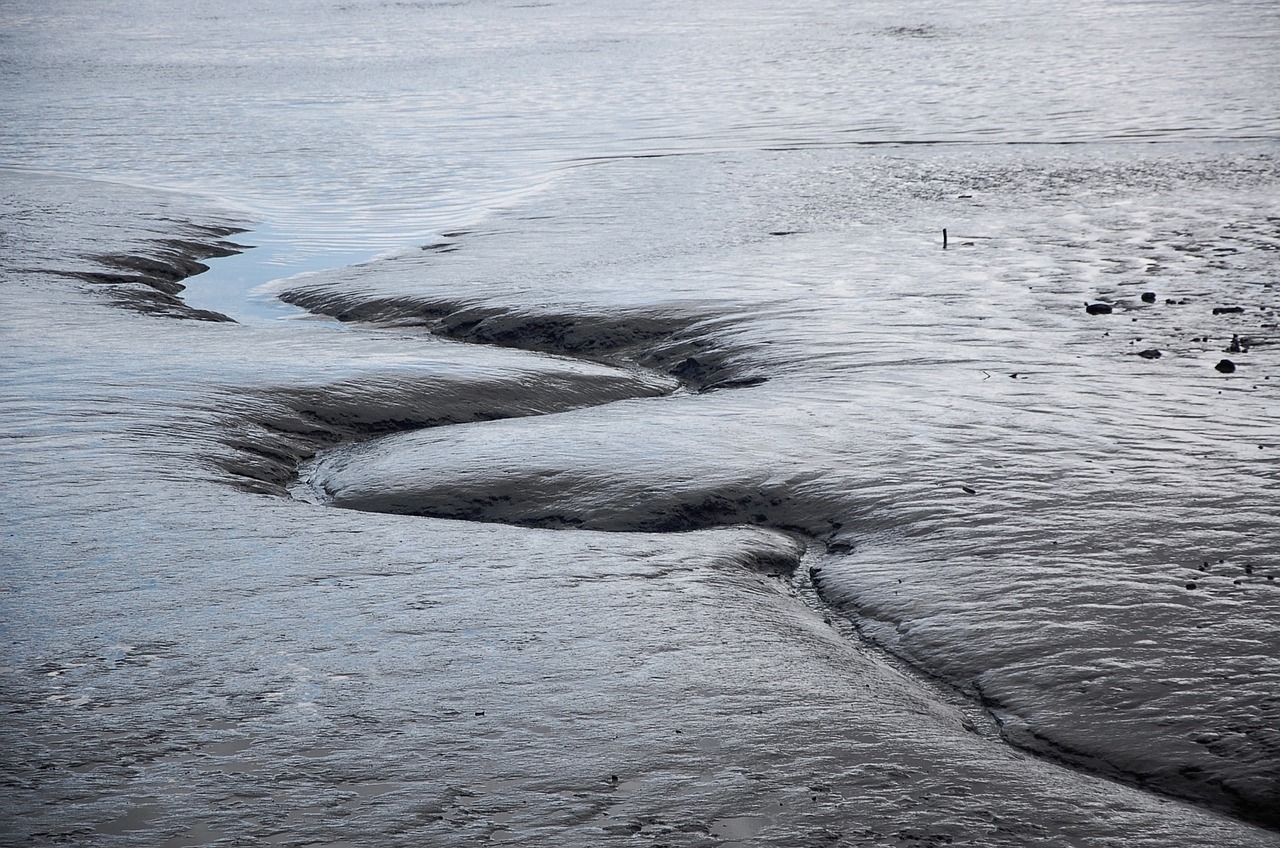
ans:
(1226, 366)
(970, 491)
(1191, 585)
(1248, 569)
(1227, 310)
(689, 369)
(1150, 353)
(1148, 297)
(1098, 308)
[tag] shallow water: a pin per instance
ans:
(993, 485)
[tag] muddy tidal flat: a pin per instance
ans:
(489, 423)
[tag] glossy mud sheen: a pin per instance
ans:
(664, 479)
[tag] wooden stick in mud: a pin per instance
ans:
(944, 238)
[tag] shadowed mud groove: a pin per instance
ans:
(677, 343)
(997, 720)
(1215, 794)
(151, 283)
(268, 449)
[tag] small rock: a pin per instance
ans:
(1150, 353)
(689, 369)
(1148, 297)
(1098, 308)
(1227, 310)
(1191, 585)
(970, 491)
(1226, 366)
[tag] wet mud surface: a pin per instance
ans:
(696, 424)
(191, 663)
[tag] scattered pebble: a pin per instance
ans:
(1148, 297)
(1227, 310)
(970, 491)
(1098, 308)
(1150, 353)
(1191, 585)
(1226, 366)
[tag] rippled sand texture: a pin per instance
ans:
(670, 481)
(188, 662)
(1015, 501)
